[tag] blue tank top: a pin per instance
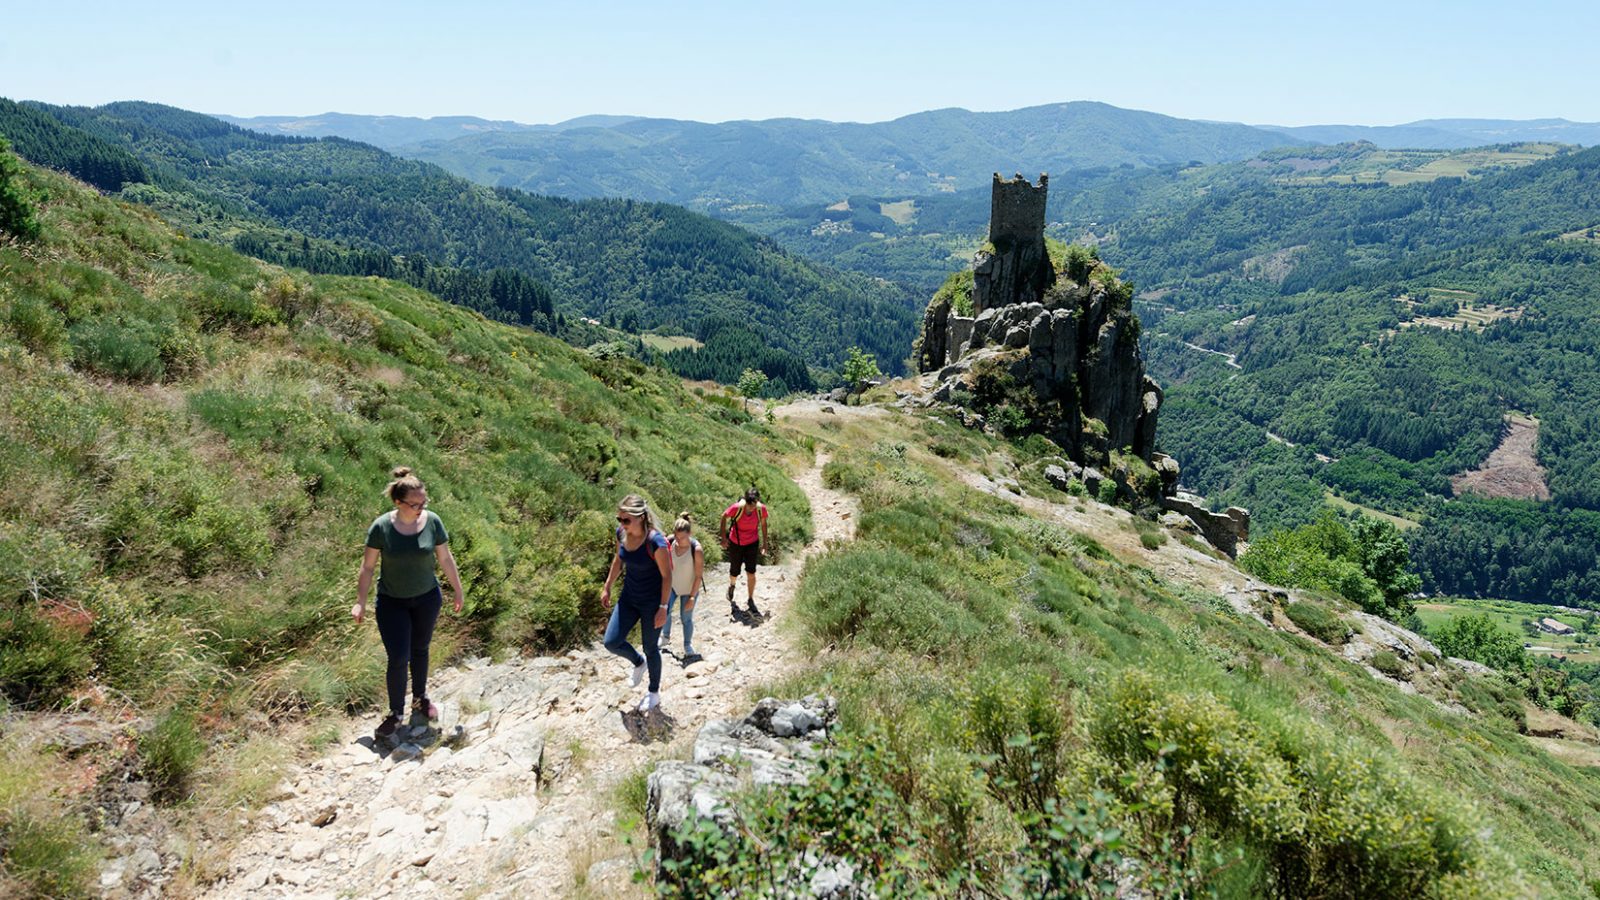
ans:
(641, 577)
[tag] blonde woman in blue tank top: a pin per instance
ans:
(645, 565)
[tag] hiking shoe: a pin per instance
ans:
(388, 728)
(692, 658)
(753, 611)
(650, 701)
(422, 706)
(638, 674)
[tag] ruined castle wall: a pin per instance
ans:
(1018, 269)
(1016, 210)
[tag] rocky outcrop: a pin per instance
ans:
(1061, 354)
(1225, 530)
(777, 743)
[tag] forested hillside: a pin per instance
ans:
(641, 266)
(1337, 325)
(1381, 334)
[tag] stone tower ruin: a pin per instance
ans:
(1015, 267)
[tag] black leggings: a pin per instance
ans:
(406, 626)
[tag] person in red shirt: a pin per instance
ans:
(744, 530)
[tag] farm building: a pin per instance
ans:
(1555, 626)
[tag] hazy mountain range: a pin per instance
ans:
(1450, 134)
(796, 160)
(783, 161)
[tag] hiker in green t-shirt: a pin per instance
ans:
(409, 540)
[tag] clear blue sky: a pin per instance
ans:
(1375, 63)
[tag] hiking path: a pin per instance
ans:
(512, 792)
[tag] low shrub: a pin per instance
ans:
(45, 850)
(1107, 492)
(1319, 622)
(1388, 663)
(170, 752)
(1329, 820)
(126, 349)
(41, 660)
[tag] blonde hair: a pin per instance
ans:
(404, 483)
(685, 522)
(635, 505)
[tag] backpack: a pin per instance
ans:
(726, 537)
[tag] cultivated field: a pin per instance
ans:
(1578, 648)
(1470, 315)
(1340, 503)
(903, 212)
(1397, 167)
(666, 343)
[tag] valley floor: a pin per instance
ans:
(524, 802)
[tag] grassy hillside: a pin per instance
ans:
(1024, 703)
(198, 443)
(641, 266)
(195, 445)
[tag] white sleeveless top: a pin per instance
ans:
(683, 567)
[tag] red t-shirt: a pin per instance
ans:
(747, 529)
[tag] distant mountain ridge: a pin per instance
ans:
(1450, 134)
(787, 161)
(389, 132)
(792, 160)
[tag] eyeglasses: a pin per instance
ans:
(624, 520)
(416, 506)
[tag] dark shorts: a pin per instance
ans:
(747, 555)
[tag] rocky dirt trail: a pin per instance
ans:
(511, 794)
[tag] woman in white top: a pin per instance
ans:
(688, 571)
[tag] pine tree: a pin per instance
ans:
(16, 207)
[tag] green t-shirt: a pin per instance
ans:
(407, 559)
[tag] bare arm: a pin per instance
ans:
(765, 541)
(699, 580)
(663, 556)
(447, 561)
(364, 583)
(611, 577)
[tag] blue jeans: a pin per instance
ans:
(624, 616)
(687, 616)
(406, 626)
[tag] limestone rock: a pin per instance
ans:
(1167, 468)
(1057, 477)
(1225, 530)
(1092, 479)
(772, 745)
(1178, 521)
